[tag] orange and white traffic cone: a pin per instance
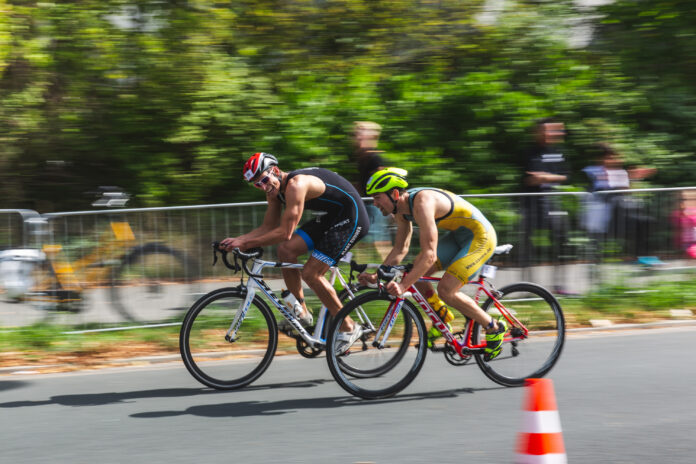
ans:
(540, 440)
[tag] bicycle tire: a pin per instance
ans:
(214, 361)
(151, 281)
(533, 357)
(352, 370)
(373, 372)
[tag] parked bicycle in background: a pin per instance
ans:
(136, 274)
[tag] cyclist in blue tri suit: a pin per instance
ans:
(328, 237)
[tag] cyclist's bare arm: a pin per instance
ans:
(402, 241)
(271, 220)
(425, 207)
(298, 190)
(535, 178)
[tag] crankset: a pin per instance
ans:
(304, 348)
(451, 354)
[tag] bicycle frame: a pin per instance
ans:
(256, 282)
(92, 269)
(463, 349)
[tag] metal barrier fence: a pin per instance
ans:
(14, 227)
(149, 264)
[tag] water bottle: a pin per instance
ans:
(291, 302)
(440, 308)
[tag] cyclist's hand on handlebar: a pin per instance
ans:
(395, 288)
(366, 278)
(231, 243)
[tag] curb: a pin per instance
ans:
(647, 325)
(33, 369)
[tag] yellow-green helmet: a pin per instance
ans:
(385, 180)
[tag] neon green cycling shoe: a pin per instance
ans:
(434, 333)
(494, 342)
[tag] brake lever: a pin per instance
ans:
(215, 252)
(237, 267)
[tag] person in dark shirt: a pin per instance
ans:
(615, 213)
(369, 160)
(545, 169)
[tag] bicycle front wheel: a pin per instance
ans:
(378, 365)
(522, 357)
(213, 359)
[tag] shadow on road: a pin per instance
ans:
(270, 408)
(12, 384)
(98, 399)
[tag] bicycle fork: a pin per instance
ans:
(231, 335)
(387, 323)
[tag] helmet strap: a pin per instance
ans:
(281, 190)
(393, 200)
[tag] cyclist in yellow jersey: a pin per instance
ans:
(468, 243)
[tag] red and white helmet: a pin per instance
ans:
(257, 164)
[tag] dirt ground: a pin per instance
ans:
(99, 357)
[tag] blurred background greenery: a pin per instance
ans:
(167, 98)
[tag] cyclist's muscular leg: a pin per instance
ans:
(448, 289)
(313, 273)
(425, 287)
(288, 253)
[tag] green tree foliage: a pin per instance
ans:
(167, 99)
(654, 46)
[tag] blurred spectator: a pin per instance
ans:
(622, 214)
(369, 160)
(545, 170)
(684, 222)
(365, 139)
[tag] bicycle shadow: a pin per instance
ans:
(274, 408)
(101, 399)
(6, 385)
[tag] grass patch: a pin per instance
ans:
(623, 303)
(52, 342)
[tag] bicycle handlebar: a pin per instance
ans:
(388, 273)
(253, 253)
(244, 256)
(223, 253)
(357, 267)
(256, 253)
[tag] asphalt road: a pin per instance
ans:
(624, 397)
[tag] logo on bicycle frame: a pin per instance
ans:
(431, 312)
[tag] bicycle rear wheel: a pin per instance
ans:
(219, 363)
(532, 357)
(153, 282)
(368, 370)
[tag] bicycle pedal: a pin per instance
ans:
(289, 333)
(437, 348)
(516, 332)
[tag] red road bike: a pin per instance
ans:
(532, 345)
